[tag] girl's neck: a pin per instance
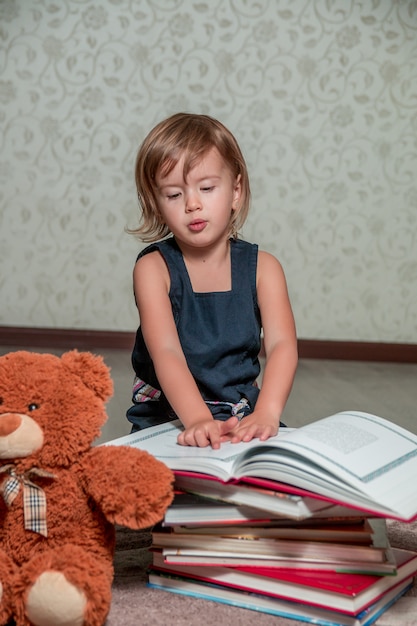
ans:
(209, 269)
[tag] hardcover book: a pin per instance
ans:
(277, 606)
(352, 458)
(348, 593)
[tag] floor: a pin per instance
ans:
(321, 388)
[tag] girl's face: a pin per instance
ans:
(198, 210)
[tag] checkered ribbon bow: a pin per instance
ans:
(34, 499)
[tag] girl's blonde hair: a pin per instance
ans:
(192, 136)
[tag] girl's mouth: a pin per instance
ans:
(197, 225)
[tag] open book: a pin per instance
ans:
(352, 459)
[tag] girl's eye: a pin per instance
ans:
(207, 189)
(173, 196)
(33, 406)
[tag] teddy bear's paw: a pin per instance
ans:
(67, 586)
(54, 601)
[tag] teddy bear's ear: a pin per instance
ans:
(92, 370)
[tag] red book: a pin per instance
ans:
(347, 593)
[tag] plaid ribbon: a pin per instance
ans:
(34, 499)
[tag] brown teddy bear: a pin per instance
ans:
(60, 497)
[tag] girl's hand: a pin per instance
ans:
(255, 426)
(207, 432)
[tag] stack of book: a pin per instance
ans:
(331, 570)
(293, 526)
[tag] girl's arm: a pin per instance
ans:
(151, 286)
(280, 342)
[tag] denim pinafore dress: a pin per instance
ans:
(219, 334)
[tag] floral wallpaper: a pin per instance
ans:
(321, 94)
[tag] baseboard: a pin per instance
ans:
(65, 338)
(357, 351)
(68, 339)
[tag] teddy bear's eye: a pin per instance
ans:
(33, 406)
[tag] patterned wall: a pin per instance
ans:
(321, 94)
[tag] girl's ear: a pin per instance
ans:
(237, 192)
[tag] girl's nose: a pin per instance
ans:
(193, 202)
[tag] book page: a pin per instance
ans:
(357, 445)
(362, 457)
(161, 442)
(366, 453)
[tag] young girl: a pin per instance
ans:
(203, 295)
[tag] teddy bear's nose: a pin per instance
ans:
(9, 422)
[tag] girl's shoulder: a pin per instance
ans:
(163, 247)
(267, 257)
(269, 265)
(150, 270)
(151, 265)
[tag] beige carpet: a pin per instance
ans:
(321, 387)
(134, 603)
